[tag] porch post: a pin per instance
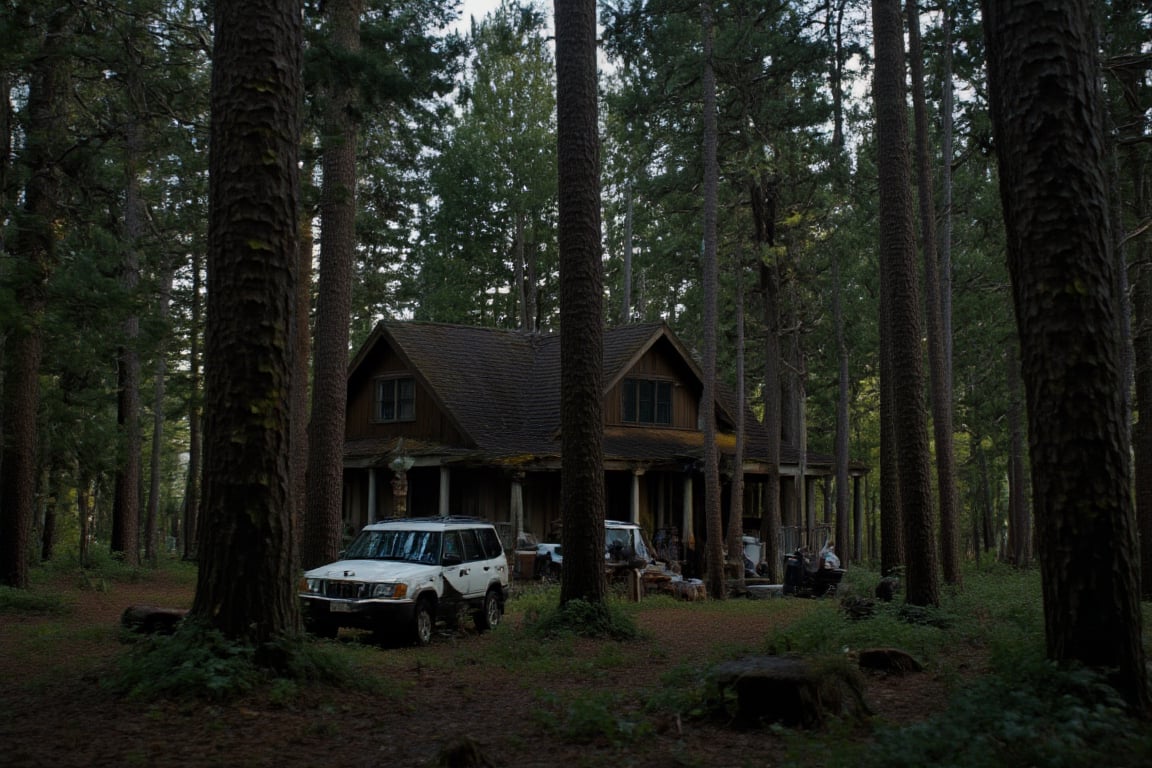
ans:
(371, 494)
(634, 509)
(445, 502)
(686, 529)
(857, 519)
(516, 505)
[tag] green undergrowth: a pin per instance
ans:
(31, 603)
(197, 662)
(580, 618)
(1028, 712)
(1006, 704)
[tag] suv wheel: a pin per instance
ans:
(489, 618)
(422, 622)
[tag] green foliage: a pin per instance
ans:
(197, 662)
(28, 602)
(585, 619)
(1031, 714)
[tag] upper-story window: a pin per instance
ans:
(646, 401)
(396, 399)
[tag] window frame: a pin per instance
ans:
(403, 408)
(641, 403)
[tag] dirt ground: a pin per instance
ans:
(55, 712)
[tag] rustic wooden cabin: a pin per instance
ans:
(451, 419)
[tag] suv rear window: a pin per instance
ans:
(491, 542)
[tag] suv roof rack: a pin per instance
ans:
(435, 519)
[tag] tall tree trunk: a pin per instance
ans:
(159, 375)
(897, 265)
(301, 365)
(1129, 70)
(937, 368)
(1047, 113)
(84, 512)
(192, 509)
(763, 205)
(841, 440)
(1018, 517)
(581, 303)
(246, 581)
(712, 514)
(129, 472)
(34, 258)
(736, 505)
(322, 515)
(626, 288)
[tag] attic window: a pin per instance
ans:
(395, 399)
(646, 401)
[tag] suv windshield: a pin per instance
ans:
(412, 546)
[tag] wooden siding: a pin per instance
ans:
(659, 364)
(430, 423)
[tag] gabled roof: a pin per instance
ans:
(501, 389)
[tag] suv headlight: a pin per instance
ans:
(393, 591)
(314, 586)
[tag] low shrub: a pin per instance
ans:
(583, 619)
(198, 662)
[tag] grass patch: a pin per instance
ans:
(31, 603)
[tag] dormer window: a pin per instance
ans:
(646, 401)
(395, 399)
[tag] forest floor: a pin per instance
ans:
(581, 703)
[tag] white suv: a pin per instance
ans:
(402, 575)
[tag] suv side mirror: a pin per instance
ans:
(451, 560)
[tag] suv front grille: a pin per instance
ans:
(345, 589)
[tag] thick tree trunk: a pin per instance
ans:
(129, 470)
(246, 582)
(1047, 114)
(322, 517)
(152, 514)
(715, 531)
(941, 389)
(33, 251)
(581, 303)
(897, 270)
(770, 517)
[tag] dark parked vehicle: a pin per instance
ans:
(807, 576)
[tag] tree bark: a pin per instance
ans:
(770, 290)
(322, 517)
(897, 265)
(715, 537)
(840, 451)
(581, 304)
(940, 386)
(192, 486)
(1047, 113)
(246, 582)
(33, 248)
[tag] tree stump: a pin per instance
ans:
(891, 661)
(780, 689)
(149, 620)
